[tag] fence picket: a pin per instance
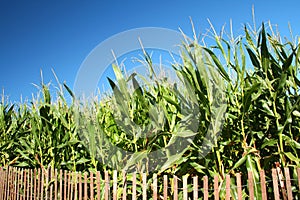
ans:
(205, 187)
(22, 176)
(51, 186)
(65, 184)
(216, 187)
(3, 185)
(75, 177)
(31, 184)
(175, 187)
(227, 196)
(91, 186)
(165, 186)
(124, 195)
(69, 185)
(1, 182)
(115, 184)
(13, 195)
(184, 188)
(239, 186)
(154, 186)
(47, 181)
(34, 184)
(195, 183)
(298, 174)
(15, 183)
(55, 184)
(38, 183)
(80, 186)
(60, 184)
(288, 183)
(134, 186)
(72, 183)
(281, 181)
(250, 185)
(25, 184)
(144, 177)
(9, 183)
(275, 184)
(263, 185)
(85, 187)
(98, 185)
(106, 192)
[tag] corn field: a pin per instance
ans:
(258, 72)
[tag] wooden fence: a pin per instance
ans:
(32, 184)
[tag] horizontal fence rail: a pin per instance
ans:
(33, 184)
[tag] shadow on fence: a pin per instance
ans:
(16, 183)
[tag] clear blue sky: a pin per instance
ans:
(45, 35)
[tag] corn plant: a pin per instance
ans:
(243, 91)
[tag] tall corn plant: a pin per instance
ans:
(262, 119)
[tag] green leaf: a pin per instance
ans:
(218, 64)
(240, 162)
(198, 167)
(253, 58)
(287, 63)
(269, 143)
(292, 157)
